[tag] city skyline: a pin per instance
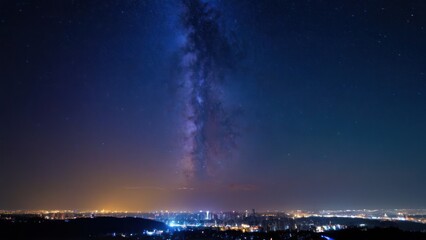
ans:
(197, 104)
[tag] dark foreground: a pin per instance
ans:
(138, 228)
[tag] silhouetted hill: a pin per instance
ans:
(375, 234)
(75, 228)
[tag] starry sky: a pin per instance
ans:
(220, 105)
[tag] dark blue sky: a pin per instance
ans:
(305, 104)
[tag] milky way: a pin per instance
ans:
(208, 54)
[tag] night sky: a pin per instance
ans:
(219, 105)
